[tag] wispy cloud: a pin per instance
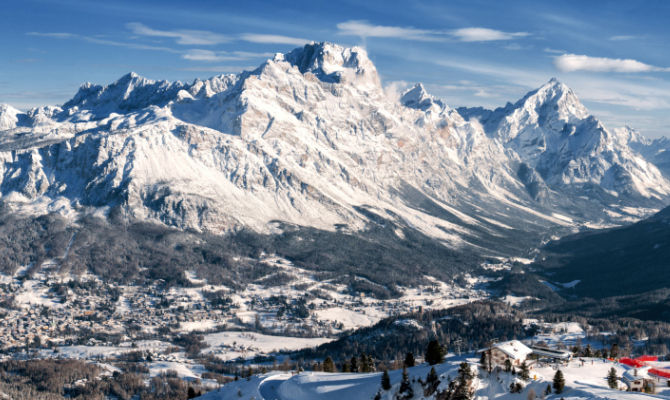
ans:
(272, 39)
(103, 41)
(553, 51)
(623, 37)
(364, 29)
(485, 35)
(574, 62)
(57, 35)
(181, 36)
(218, 56)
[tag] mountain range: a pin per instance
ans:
(312, 139)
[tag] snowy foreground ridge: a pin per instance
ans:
(582, 382)
(312, 138)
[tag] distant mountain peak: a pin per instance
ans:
(417, 97)
(129, 92)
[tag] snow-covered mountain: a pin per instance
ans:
(556, 136)
(312, 138)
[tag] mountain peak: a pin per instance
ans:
(129, 92)
(9, 116)
(553, 100)
(417, 97)
(333, 63)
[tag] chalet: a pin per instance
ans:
(636, 379)
(512, 350)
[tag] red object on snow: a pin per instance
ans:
(663, 373)
(631, 363)
(647, 358)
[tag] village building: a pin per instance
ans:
(512, 350)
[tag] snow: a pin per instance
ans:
(230, 345)
(307, 138)
(585, 381)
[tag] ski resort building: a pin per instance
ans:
(554, 354)
(512, 350)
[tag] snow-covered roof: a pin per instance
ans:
(634, 374)
(514, 349)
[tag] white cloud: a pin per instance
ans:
(485, 35)
(272, 39)
(57, 35)
(218, 56)
(553, 51)
(182, 36)
(207, 55)
(364, 29)
(99, 40)
(623, 37)
(574, 62)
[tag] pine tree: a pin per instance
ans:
(612, 379)
(363, 363)
(378, 396)
(432, 381)
(524, 373)
(462, 389)
(386, 380)
(547, 391)
(328, 365)
(508, 365)
(559, 382)
(482, 361)
(435, 353)
(614, 351)
(409, 360)
(588, 352)
(405, 391)
(353, 364)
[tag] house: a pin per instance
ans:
(512, 350)
(636, 379)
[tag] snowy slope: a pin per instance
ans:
(311, 138)
(582, 382)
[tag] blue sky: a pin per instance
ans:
(614, 54)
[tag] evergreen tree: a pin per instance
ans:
(409, 360)
(386, 380)
(508, 365)
(462, 386)
(547, 391)
(378, 396)
(587, 351)
(614, 351)
(524, 372)
(559, 382)
(353, 364)
(328, 365)
(435, 353)
(432, 381)
(363, 363)
(482, 361)
(346, 367)
(371, 364)
(405, 391)
(612, 379)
